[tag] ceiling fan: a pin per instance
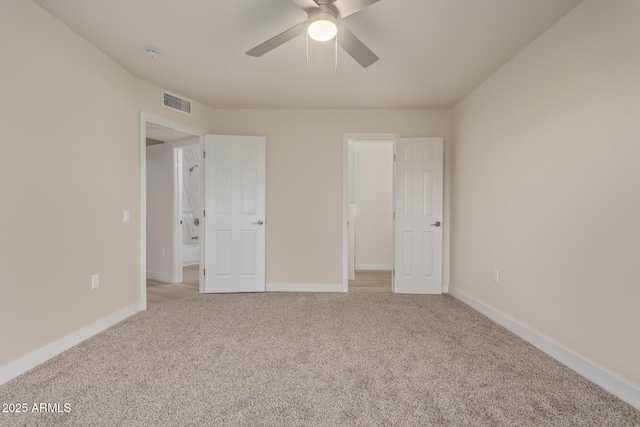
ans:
(323, 24)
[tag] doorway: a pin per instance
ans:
(371, 215)
(166, 148)
(415, 246)
(374, 279)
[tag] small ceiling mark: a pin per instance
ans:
(152, 53)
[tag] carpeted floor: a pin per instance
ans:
(282, 359)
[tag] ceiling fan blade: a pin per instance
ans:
(349, 7)
(354, 47)
(307, 5)
(278, 40)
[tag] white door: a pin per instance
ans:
(234, 193)
(418, 216)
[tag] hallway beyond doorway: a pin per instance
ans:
(159, 292)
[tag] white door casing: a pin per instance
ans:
(352, 241)
(234, 221)
(418, 190)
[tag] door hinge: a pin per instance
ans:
(394, 157)
(394, 215)
(204, 272)
(393, 272)
(204, 213)
(204, 154)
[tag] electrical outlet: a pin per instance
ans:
(164, 253)
(496, 275)
(95, 281)
(125, 216)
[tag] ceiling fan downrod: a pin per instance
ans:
(336, 43)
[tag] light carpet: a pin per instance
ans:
(283, 359)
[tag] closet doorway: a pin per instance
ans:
(393, 213)
(370, 213)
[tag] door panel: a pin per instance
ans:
(418, 209)
(222, 253)
(234, 188)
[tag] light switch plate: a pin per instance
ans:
(125, 216)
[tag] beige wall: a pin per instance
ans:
(546, 182)
(304, 179)
(68, 168)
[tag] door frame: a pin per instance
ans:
(145, 118)
(345, 192)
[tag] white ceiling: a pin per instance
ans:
(432, 52)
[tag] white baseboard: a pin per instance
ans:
(377, 267)
(160, 277)
(303, 287)
(33, 359)
(604, 379)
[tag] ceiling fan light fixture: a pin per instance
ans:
(322, 26)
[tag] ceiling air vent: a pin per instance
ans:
(176, 103)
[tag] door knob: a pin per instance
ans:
(258, 222)
(436, 224)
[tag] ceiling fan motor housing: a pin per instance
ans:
(323, 15)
